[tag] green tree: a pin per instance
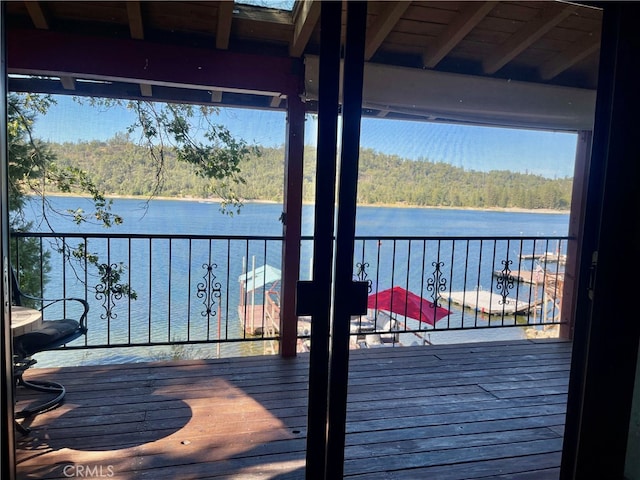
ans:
(165, 130)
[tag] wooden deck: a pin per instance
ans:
(491, 410)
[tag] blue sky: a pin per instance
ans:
(550, 154)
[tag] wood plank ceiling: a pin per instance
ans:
(541, 42)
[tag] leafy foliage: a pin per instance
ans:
(187, 133)
(35, 170)
(33, 167)
(32, 170)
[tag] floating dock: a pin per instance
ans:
(524, 276)
(488, 303)
(545, 257)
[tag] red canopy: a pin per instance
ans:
(400, 301)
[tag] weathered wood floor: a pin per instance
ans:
(492, 410)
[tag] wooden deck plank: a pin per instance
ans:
(484, 469)
(491, 410)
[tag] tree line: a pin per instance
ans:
(121, 167)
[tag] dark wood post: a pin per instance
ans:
(348, 299)
(315, 296)
(605, 345)
(7, 440)
(292, 225)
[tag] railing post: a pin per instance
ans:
(292, 225)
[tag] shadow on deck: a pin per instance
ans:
(490, 410)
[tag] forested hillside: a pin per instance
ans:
(121, 167)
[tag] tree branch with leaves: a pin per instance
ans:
(188, 131)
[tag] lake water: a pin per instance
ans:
(172, 217)
(205, 218)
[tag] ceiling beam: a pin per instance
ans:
(568, 58)
(68, 83)
(468, 17)
(136, 26)
(146, 90)
(132, 61)
(37, 15)
(305, 19)
(275, 101)
(124, 91)
(216, 96)
(223, 30)
(527, 35)
(384, 23)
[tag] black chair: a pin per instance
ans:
(50, 335)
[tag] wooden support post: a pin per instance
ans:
(292, 220)
(346, 295)
(317, 297)
(605, 344)
(576, 231)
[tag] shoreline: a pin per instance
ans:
(377, 205)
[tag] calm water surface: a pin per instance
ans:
(204, 218)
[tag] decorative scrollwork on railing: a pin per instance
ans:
(361, 274)
(209, 290)
(437, 283)
(110, 289)
(505, 282)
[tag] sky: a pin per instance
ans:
(550, 154)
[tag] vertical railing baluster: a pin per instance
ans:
(453, 256)
(210, 264)
(479, 286)
(265, 327)
(149, 280)
(393, 273)
(246, 290)
(407, 286)
(378, 265)
(436, 283)
(64, 283)
(169, 269)
(130, 283)
(464, 284)
(189, 284)
(492, 269)
(86, 283)
(519, 280)
(108, 293)
(227, 309)
(41, 260)
(422, 292)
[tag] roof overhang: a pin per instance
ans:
(389, 91)
(449, 97)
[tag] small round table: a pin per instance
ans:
(25, 320)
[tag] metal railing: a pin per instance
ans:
(159, 290)
(177, 290)
(449, 284)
